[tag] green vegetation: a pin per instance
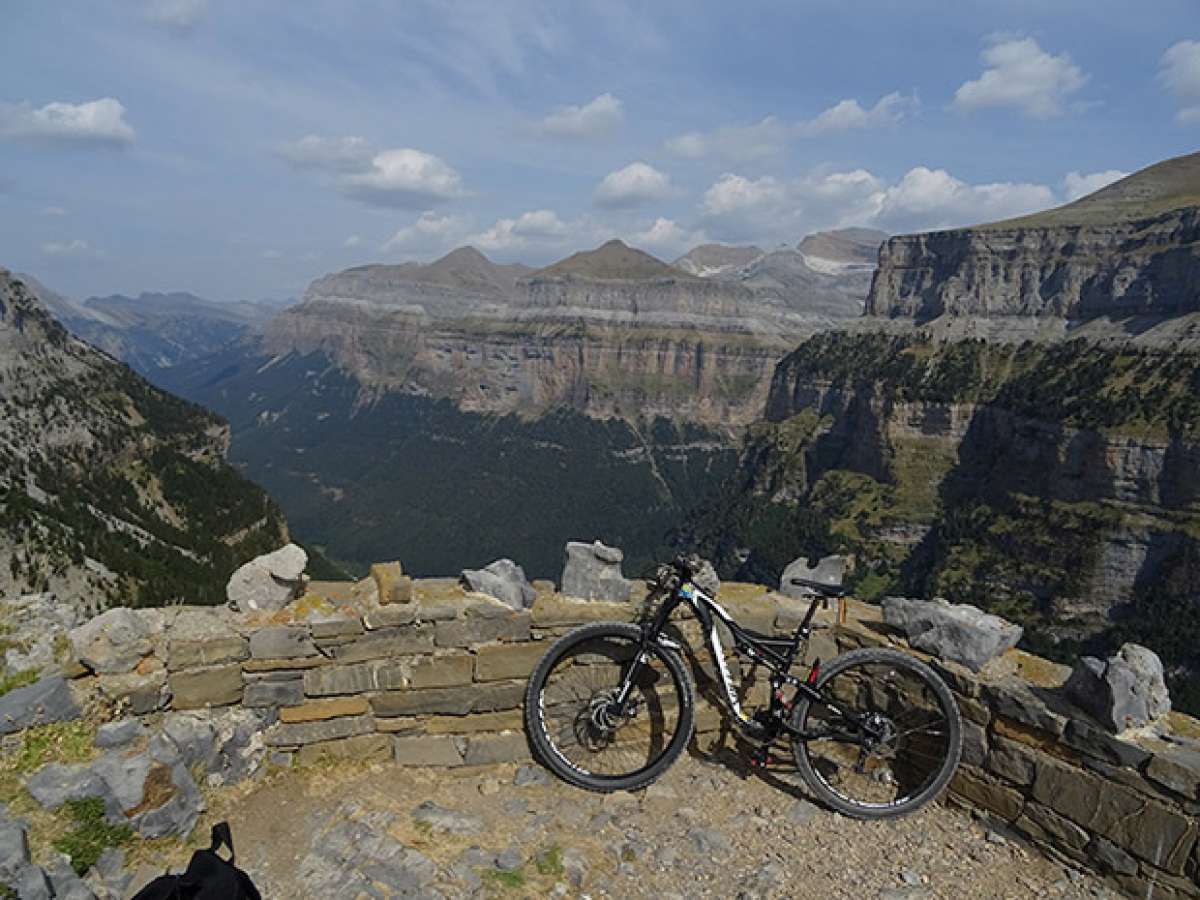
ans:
(62, 742)
(550, 861)
(511, 881)
(90, 835)
(985, 474)
(17, 679)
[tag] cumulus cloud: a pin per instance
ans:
(592, 120)
(351, 242)
(1021, 75)
(631, 186)
(770, 136)
(342, 154)
(850, 115)
(666, 237)
(97, 121)
(1076, 184)
(75, 248)
(1179, 72)
(767, 209)
(429, 232)
(537, 227)
(402, 178)
(181, 15)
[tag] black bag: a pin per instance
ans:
(208, 876)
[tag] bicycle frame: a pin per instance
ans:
(777, 654)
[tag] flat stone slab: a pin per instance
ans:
(45, 701)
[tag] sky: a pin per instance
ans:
(239, 148)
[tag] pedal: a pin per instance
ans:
(759, 757)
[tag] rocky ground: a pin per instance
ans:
(704, 830)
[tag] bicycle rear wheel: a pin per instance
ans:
(906, 754)
(569, 708)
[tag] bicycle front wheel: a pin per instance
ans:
(570, 708)
(888, 742)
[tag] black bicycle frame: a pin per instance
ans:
(776, 654)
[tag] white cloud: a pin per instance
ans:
(631, 186)
(1076, 184)
(97, 121)
(75, 248)
(1179, 71)
(404, 178)
(849, 115)
(666, 237)
(596, 119)
(341, 154)
(933, 198)
(353, 241)
(537, 227)
(181, 15)
(770, 136)
(56, 211)
(767, 209)
(1020, 74)
(429, 232)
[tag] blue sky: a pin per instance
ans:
(239, 148)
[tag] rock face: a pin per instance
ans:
(1125, 691)
(268, 582)
(963, 634)
(593, 572)
(1127, 250)
(502, 579)
(102, 471)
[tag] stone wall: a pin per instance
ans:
(439, 681)
(1123, 805)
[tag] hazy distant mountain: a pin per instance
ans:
(152, 332)
(834, 252)
(612, 261)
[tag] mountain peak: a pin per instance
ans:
(842, 247)
(613, 260)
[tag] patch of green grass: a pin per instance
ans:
(17, 679)
(64, 742)
(423, 828)
(512, 881)
(91, 834)
(550, 861)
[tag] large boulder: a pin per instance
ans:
(829, 571)
(268, 582)
(593, 572)
(113, 642)
(1125, 691)
(960, 633)
(504, 580)
(48, 700)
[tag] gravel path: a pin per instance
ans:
(703, 830)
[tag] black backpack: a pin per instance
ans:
(208, 876)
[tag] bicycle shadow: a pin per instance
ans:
(728, 749)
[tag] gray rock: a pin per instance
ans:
(510, 860)
(346, 859)
(108, 878)
(32, 883)
(178, 815)
(269, 582)
(187, 737)
(124, 776)
(266, 693)
(443, 819)
(1126, 691)
(961, 633)
(65, 883)
(529, 774)
(113, 642)
(282, 642)
(593, 572)
(801, 812)
(1111, 857)
(14, 847)
(119, 733)
(45, 701)
(710, 842)
(575, 866)
(55, 784)
(831, 570)
(502, 579)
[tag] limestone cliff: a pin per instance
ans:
(1130, 249)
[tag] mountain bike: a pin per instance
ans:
(875, 733)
